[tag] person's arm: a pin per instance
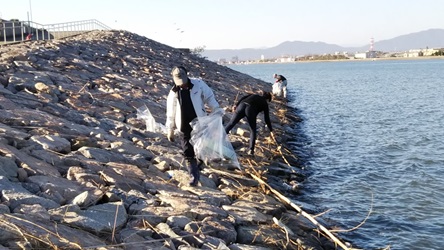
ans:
(170, 123)
(267, 117)
(208, 97)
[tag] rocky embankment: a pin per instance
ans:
(78, 170)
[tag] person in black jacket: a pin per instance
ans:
(186, 101)
(250, 106)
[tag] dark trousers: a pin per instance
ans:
(245, 110)
(190, 156)
(188, 150)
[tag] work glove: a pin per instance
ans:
(170, 135)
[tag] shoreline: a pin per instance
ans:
(350, 60)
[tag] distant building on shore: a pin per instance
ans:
(371, 53)
(365, 55)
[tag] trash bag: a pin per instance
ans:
(210, 141)
(151, 124)
(277, 89)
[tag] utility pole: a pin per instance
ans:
(30, 9)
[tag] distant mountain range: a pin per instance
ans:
(432, 38)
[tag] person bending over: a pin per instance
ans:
(281, 81)
(250, 106)
(186, 101)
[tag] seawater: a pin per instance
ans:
(374, 142)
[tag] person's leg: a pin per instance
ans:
(237, 116)
(188, 151)
(251, 114)
(194, 171)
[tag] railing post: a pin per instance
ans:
(4, 32)
(13, 31)
(22, 30)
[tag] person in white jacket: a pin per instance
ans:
(280, 85)
(186, 101)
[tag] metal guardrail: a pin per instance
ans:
(17, 31)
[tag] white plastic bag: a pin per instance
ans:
(210, 141)
(151, 124)
(277, 89)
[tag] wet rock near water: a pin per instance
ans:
(78, 169)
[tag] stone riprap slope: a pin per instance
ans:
(78, 170)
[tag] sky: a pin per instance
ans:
(239, 24)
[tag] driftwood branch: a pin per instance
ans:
(303, 213)
(360, 224)
(44, 240)
(286, 229)
(279, 149)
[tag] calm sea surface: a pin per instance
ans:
(374, 139)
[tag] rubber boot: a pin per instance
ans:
(194, 171)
